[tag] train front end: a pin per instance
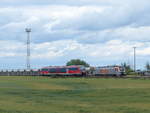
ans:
(109, 71)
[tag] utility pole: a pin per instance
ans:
(134, 59)
(28, 31)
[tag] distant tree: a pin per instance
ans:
(128, 68)
(147, 66)
(77, 62)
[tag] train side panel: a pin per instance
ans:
(108, 71)
(62, 71)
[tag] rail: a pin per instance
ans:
(37, 73)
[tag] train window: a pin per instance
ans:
(63, 70)
(82, 68)
(53, 70)
(73, 69)
(44, 69)
(122, 69)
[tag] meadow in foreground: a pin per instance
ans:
(73, 95)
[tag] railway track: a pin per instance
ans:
(102, 77)
(124, 77)
(36, 73)
(135, 76)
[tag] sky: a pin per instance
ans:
(101, 32)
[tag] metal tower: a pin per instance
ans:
(28, 31)
(134, 59)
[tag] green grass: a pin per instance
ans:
(73, 95)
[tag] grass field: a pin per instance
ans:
(73, 95)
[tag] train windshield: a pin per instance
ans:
(122, 69)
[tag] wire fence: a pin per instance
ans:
(11, 70)
(20, 73)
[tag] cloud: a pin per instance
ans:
(52, 23)
(62, 51)
(99, 31)
(58, 2)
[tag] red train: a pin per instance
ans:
(64, 70)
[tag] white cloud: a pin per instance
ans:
(99, 31)
(80, 22)
(113, 48)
